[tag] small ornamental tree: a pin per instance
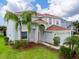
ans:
(72, 42)
(56, 41)
(71, 51)
(6, 39)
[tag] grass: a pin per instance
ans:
(7, 52)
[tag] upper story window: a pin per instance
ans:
(50, 20)
(57, 22)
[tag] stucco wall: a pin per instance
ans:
(33, 36)
(11, 30)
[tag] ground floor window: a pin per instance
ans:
(23, 35)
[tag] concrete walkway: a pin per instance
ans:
(49, 45)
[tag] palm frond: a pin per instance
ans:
(41, 27)
(34, 23)
(27, 19)
(17, 26)
(29, 26)
(10, 16)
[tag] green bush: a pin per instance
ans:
(2, 36)
(11, 42)
(66, 52)
(56, 41)
(6, 39)
(20, 43)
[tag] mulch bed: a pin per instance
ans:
(30, 45)
(34, 45)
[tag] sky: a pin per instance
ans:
(67, 9)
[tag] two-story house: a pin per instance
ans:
(53, 27)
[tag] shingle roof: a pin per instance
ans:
(56, 28)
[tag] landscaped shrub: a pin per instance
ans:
(20, 43)
(66, 52)
(2, 36)
(11, 42)
(6, 39)
(56, 41)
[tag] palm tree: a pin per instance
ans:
(76, 25)
(72, 41)
(12, 16)
(41, 28)
(26, 17)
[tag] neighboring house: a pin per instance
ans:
(53, 27)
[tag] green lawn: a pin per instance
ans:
(7, 52)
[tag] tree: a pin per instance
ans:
(41, 28)
(56, 41)
(72, 41)
(26, 17)
(76, 25)
(71, 51)
(12, 16)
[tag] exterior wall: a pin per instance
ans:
(24, 29)
(47, 19)
(16, 35)
(33, 36)
(11, 30)
(53, 21)
(49, 35)
(57, 22)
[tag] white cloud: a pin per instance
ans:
(40, 10)
(56, 7)
(20, 5)
(38, 7)
(16, 6)
(62, 8)
(73, 18)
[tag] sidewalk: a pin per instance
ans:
(55, 47)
